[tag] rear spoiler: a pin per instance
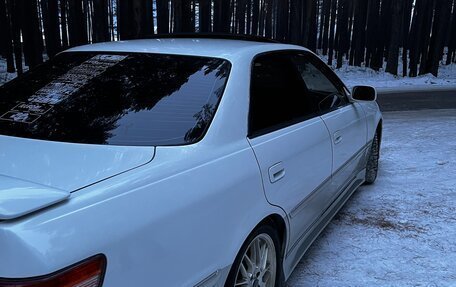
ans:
(19, 197)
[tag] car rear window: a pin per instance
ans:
(115, 99)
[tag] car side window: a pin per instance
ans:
(278, 95)
(324, 92)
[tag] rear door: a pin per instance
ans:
(290, 141)
(345, 121)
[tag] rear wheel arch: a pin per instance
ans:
(278, 224)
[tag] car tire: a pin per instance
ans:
(247, 267)
(372, 161)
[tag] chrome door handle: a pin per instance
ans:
(337, 138)
(276, 172)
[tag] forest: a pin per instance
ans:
(419, 33)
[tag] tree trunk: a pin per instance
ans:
(332, 27)
(100, 21)
(249, 17)
(31, 34)
(77, 28)
(295, 21)
(262, 18)
(321, 24)
(372, 30)
(226, 19)
(268, 20)
(282, 20)
(452, 37)
(240, 16)
(396, 33)
(6, 37)
(327, 16)
(437, 43)
(112, 27)
(45, 18)
(429, 12)
(350, 31)
(416, 35)
(177, 16)
(255, 16)
(187, 15)
(205, 15)
(386, 20)
(16, 8)
(135, 19)
(342, 31)
(222, 19)
(408, 5)
(382, 35)
(64, 25)
(360, 31)
(311, 27)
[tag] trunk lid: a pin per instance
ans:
(67, 166)
(18, 197)
(35, 173)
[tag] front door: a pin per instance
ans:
(291, 142)
(345, 121)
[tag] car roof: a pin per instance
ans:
(217, 48)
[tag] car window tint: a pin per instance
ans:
(278, 95)
(322, 90)
(115, 99)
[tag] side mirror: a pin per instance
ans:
(364, 93)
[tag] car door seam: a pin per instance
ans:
(298, 207)
(332, 144)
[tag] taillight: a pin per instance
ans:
(87, 273)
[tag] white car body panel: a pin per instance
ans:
(348, 130)
(175, 216)
(67, 166)
(18, 197)
(298, 156)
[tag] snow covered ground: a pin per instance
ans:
(383, 81)
(401, 231)
(386, 82)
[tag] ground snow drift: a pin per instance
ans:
(353, 76)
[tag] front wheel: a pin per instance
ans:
(258, 262)
(372, 161)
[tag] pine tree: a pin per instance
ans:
(205, 15)
(396, 33)
(361, 10)
(6, 44)
(100, 21)
(408, 5)
(441, 22)
(332, 32)
(325, 32)
(31, 34)
(77, 25)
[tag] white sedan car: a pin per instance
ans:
(176, 162)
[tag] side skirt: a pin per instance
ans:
(294, 256)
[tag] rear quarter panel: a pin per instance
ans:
(166, 224)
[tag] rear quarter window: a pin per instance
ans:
(115, 99)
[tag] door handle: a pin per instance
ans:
(276, 172)
(337, 137)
